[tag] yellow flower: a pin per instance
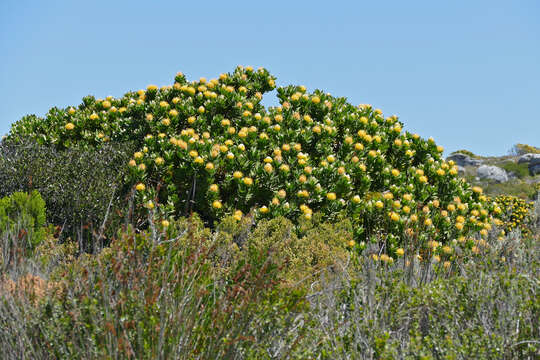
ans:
(268, 168)
(159, 160)
(142, 166)
(237, 174)
(379, 204)
(284, 168)
(151, 87)
(150, 204)
(395, 172)
(263, 210)
(238, 215)
(213, 188)
(356, 199)
(315, 99)
(140, 187)
(248, 181)
(132, 162)
(351, 243)
(331, 196)
(400, 252)
(217, 204)
(193, 153)
(165, 223)
(70, 126)
(209, 166)
(282, 194)
(428, 222)
(71, 111)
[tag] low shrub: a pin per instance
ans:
(150, 296)
(520, 170)
(23, 214)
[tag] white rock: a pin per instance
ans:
(492, 173)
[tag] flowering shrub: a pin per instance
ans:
(516, 214)
(213, 148)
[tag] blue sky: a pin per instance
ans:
(465, 72)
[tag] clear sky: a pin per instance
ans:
(465, 72)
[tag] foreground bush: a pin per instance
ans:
(183, 291)
(150, 296)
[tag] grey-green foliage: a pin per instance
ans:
(485, 309)
(77, 184)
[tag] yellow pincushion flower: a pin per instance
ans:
(140, 187)
(70, 126)
(214, 188)
(356, 199)
(428, 222)
(400, 252)
(379, 204)
(238, 215)
(217, 204)
(209, 166)
(264, 210)
(165, 223)
(331, 196)
(238, 174)
(248, 181)
(315, 99)
(159, 161)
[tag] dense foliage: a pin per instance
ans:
(81, 187)
(213, 148)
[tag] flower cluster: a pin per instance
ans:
(515, 214)
(210, 146)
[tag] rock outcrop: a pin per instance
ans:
(464, 160)
(527, 158)
(493, 173)
(534, 166)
